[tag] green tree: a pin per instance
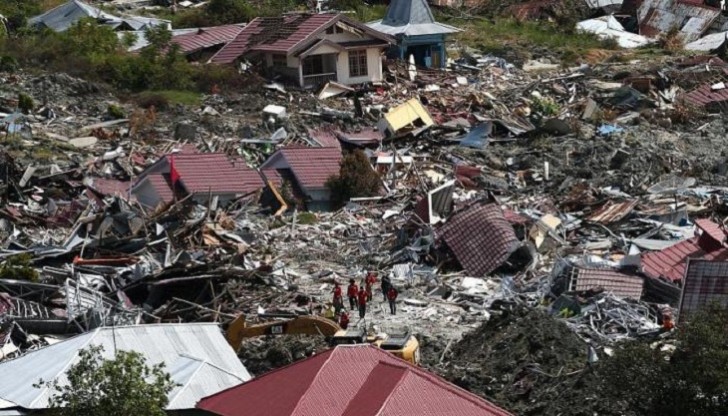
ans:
(124, 385)
(691, 380)
(89, 39)
(356, 179)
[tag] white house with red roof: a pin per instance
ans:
(202, 175)
(349, 380)
(310, 49)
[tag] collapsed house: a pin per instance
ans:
(325, 384)
(418, 34)
(201, 176)
(305, 170)
(482, 239)
(61, 18)
(196, 44)
(705, 285)
(310, 49)
(196, 356)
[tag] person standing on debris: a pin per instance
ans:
(338, 298)
(386, 283)
(352, 292)
(344, 320)
(392, 294)
(362, 302)
(369, 282)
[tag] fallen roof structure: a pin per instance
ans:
(607, 27)
(480, 237)
(197, 357)
(691, 18)
(349, 380)
(62, 17)
(670, 264)
(410, 117)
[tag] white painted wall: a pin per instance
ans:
(374, 68)
(324, 49)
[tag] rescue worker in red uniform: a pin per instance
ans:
(369, 283)
(362, 302)
(352, 291)
(344, 320)
(338, 298)
(392, 294)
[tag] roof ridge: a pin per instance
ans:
(270, 373)
(399, 382)
(318, 372)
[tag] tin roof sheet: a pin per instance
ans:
(181, 347)
(215, 173)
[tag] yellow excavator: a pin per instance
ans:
(403, 344)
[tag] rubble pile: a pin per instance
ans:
(523, 214)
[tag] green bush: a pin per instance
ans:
(8, 64)
(151, 99)
(25, 103)
(115, 112)
(19, 268)
(356, 179)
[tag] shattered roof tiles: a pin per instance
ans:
(349, 380)
(659, 16)
(670, 263)
(206, 38)
(480, 237)
(706, 283)
(216, 173)
(620, 284)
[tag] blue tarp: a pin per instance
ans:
(478, 136)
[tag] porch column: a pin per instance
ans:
(300, 72)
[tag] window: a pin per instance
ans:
(279, 60)
(313, 65)
(358, 63)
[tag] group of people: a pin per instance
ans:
(360, 295)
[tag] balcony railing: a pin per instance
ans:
(316, 80)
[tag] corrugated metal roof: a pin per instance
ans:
(659, 16)
(175, 345)
(62, 17)
(620, 284)
(312, 166)
(351, 380)
(609, 27)
(325, 137)
(705, 95)
(161, 186)
(706, 283)
(480, 237)
(708, 43)
(206, 38)
(613, 212)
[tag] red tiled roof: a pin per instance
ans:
(162, 186)
(480, 237)
(216, 173)
(670, 262)
(206, 38)
(349, 380)
(620, 284)
(312, 166)
(325, 137)
(274, 34)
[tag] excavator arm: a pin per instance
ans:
(238, 330)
